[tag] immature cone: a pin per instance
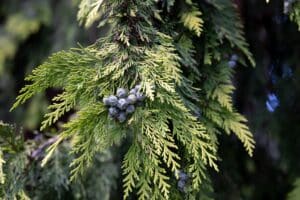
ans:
(131, 99)
(183, 176)
(181, 184)
(140, 96)
(132, 91)
(130, 109)
(231, 63)
(121, 93)
(122, 117)
(113, 111)
(112, 100)
(124, 104)
(234, 57)
(106, 101)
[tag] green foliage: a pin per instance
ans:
(23, 171)
(295, 13)
(295, 193)
(11, 172)
(227, 24)
(165, 133)
(219, 110)
(168, 4)
(89, 11)
(10, 140)
(191, 18)
(186, 50)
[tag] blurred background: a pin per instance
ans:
(268, 94)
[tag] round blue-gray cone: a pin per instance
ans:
(130, 109)
(121, 93)
(122, 117)
(112, 100)
(122, 104)
(113, 111)
(131, 99)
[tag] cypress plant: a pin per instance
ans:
(158, 84)
(177, 86)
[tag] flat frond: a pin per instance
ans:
(237, 124)
(192, 20)
(131, 167)
(64, 103)
(187, 51)
(228, 25)
(53, 73)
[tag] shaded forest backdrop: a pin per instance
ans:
(268, 95)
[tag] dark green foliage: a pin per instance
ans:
(22, 177)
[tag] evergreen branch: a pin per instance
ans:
(145, 190)
(197, 142)
(53, 73)
(151, 165)
(220, 111)
(90, 136)
(222, 94)
(236, 123)
(191, 20)
(212, 48)
(66, 103)
(228, 25)
(198, 174)
(136, 52)
(156, 129)
(187, 51)
(130, 171)
(190, 17)
(84, 124)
